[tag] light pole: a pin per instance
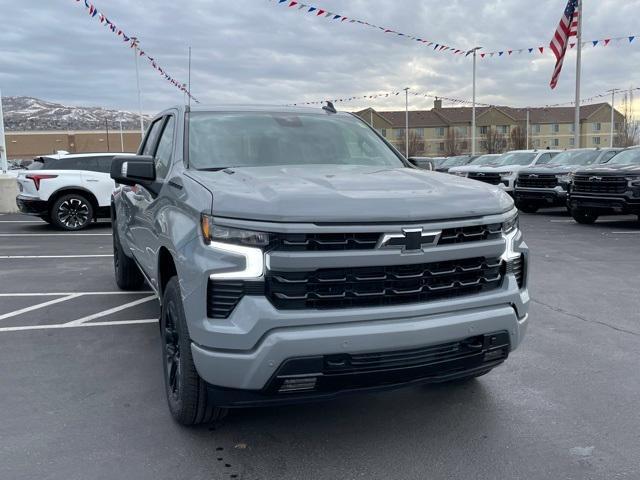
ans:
(406, 122)
(527, 129)
(121, 136)
(473, 108)
(135, 57)
(3, 146)
(613, 101)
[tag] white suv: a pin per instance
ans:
(67, 191)
(504, 173)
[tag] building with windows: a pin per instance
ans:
(447, 130)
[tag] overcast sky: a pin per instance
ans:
(255, 51)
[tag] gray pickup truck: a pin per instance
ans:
(298, 256)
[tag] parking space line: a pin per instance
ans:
(38, 305)
(69, 325)
(21, 257)
(61, 294)
(55, 234)
(104, 313)
(21, 221)
(637, 232)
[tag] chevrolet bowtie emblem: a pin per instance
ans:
(410, 240)
(595, 179)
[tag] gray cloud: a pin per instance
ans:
(254, 51)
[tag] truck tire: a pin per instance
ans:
(71, 212)
(127, 273)
(527, 207)
(189, 401)
(583, 216)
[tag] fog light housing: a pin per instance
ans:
(298, 384)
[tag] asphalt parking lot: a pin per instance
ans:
(79, 402)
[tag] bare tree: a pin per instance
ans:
(451, 144)
(416, 144)
(493, 141)
(518, 138)
(627, 133)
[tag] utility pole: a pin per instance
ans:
(613, 102)
(135, 57)
(106, 126)
(121, 136)
(473, 108)
(576, 133)
(406, 122)
(3, 145)
(527, 129)
(189, 88)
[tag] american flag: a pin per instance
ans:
(567, 28)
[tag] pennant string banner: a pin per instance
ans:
(133, 42)
(339, 18)
(454, 100)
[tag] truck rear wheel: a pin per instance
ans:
(187, 395)
(586, 217)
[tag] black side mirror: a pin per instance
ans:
(134, 170)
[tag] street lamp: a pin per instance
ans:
(473, 108)
(406, 122)
(121, 136)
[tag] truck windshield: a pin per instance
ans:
(517, 158)
(626, 157)
(485, 160)
(576, 157)
(455, 161)
(223, 140)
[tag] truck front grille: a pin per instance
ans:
(368, 240)
(598, 184)
(492, 178)
(537, 181)
(378, 286)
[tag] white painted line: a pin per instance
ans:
(61, 294)
(104, 313)
(22, 257)
(67, 325)
(563, 221)
(22, 221)
(55, 234)
(38, 305)
(626, 233)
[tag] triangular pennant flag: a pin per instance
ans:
(335, 17)
(530, 50)
(510, 52)
(320, 12)
(482, 55)
(606, 41)
(293, 3)
(500, 54)
(541, 49)
(571, 45)
(311, 9)
(595, 42)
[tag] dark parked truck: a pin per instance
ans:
(298, 256)
(613, 188)
(547, 185)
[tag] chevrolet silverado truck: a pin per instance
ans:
(298, 256)
(504, 173)
(547, 185)
(609, 189)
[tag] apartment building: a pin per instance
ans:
(447, 130)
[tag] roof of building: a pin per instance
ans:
(441, 117)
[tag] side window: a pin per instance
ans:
(104, 164)
(75, 163)
(165, 149)
(544, 158)
(152, 136)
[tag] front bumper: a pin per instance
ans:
(606, 204)
(552, 197)
(31, 206)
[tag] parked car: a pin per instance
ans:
(611, 188)
(310, 259)
(488, 159)
(547, 185)
(456, 161)
(504, 173)
(67, 191)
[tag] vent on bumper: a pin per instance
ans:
(517, 267)
(537, 181)
(377, 286)
(224, 296)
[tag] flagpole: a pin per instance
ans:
(576, 132)
(135, 55)
(473, 108)
(406, 122)
(3, 146)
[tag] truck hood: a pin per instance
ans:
(551, 169)
(613, 169)
(347, 193)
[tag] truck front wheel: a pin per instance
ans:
(187, 395)
(583, 216)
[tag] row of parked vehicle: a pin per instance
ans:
(590, 182)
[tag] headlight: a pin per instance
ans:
(460, 174)
(634, 181)
(565, 178)
(217, 233)
(506, 174)
(510, 224)
(237, 242)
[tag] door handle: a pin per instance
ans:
(92, 180)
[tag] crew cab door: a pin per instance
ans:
(146, 202)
